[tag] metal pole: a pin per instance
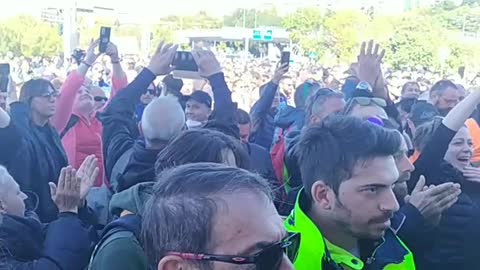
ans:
(244, 18)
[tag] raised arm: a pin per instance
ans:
(10, 138)
(209, 67)
(119, 78)
(263, 105)
(119, 125)
(68, 92)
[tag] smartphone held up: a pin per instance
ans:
(185, 66)
(285, 58)
(104, 39)
(4, 75)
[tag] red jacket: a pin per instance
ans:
(85, 137)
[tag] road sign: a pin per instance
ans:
(262, 35)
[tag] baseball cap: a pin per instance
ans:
(201, 97)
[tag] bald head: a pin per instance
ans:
(162, 119)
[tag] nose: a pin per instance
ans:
(389, 202)
(286, 264)
(24, 196)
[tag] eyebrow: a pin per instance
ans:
(259, 246)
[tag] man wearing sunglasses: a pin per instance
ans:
(147, 96)
(211, 216)
(343, 213)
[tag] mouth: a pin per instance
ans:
(464, 159)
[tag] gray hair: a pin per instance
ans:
(5, 177)
(179, 216)
(315, 102)
(162, 119)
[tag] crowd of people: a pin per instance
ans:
(142, 170)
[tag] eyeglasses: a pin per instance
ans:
(100, 99)
(269, 258)
(153, 92)
(366, 101)
(51, 94)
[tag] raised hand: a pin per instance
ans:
(67, 194)
(87, 174)
(207, 63)
(280, 73)
(161, 62)
(472, 174)
(432, 201)
(91, 56)
(369, 62)
(112, 51)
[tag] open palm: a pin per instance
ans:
(87, 174)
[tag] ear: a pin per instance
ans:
(171, 263)
(314, 119)
(320, 195)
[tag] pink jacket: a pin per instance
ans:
(85, 138)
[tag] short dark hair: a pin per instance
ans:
(425, 132)
(316, 101)
(243, 117)
(441, 86)
(329, 151)
(407, 84)
(179, 216)
(200, 145)
(303, 91)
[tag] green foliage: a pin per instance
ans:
(253, 18)
(28, 36)
(306, 29)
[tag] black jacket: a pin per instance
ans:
(119, 122)
(454, 242)
(263, 117)
(26, 244)
(37, 160)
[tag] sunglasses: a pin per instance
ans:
(100, 99)
(53, 94)
(153, 92)
(270, 258)
(366, 101)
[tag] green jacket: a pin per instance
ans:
(315, 252)
(119, 247)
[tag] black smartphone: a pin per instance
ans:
(285, 58)
(185, 66)
(4, 74)
(184, 61)
(104, 38)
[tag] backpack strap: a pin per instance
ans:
(70, 124)
(110, 236)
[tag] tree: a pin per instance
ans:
(28, 36)
(416, 41)
(344, 31)
(253, 18)
(306, 29)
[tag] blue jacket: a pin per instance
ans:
(263, 117)
(29, 245)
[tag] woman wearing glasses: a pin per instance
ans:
(38, 156)
(75, 119)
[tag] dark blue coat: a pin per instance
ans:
(26, 244)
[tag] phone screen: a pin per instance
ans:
(104, 38)
(184, 61)
(4, 73)
(285, 58)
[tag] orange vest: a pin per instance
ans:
(474, 131)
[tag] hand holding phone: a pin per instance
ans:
(4, 77)
(285, 59)
(185, 65)
(104, 39)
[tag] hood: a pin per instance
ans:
(141, 166)
(132, 199)
(289, 116)
(22, 237)
(132, 223)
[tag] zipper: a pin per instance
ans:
(371, 259)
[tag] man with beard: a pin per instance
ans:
(344, 211)
(444, 95)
